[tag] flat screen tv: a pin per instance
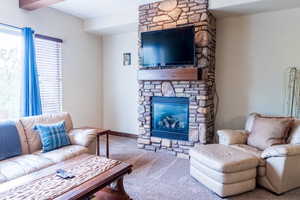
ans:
(168, 47)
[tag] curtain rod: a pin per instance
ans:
(11, 26)
(37, 35)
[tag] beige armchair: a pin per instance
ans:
(279, 165)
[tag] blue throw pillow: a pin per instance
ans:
(10, 144)
(53, 136)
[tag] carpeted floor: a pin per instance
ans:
(160, 176)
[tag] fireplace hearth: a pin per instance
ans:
(170, 117)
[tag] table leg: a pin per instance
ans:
(107, 145)
(98, 145)
(114, 191)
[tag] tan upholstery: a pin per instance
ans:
(278, 169)
(22, 165)
(261, 170)
(269, 131)
(229, 137)
(32, 159)
(250, 121)
(223, 158)
(226, 178)
(282, 174)
(223, 169)
(63, 153)
(23, 139)
(223, 190)
(282, 151)
(294, 137)
(252, 150)
(33, 137)
(83, 137)
(228, 168)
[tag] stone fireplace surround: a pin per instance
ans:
(171, 14)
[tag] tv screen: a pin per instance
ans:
(168, 47)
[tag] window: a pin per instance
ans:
(11, 51)
(49, 65)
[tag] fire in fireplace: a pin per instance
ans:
(170, 117)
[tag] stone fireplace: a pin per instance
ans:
(177, 113)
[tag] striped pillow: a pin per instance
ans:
(53, 136)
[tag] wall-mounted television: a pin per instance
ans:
(168, 47)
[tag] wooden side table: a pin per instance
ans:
(101, 132)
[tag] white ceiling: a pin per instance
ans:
(87, 9)
(224, 8)
(116, 16)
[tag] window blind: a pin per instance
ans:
(49, 65)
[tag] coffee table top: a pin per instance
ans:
(92, 173)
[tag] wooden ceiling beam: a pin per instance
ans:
(36, 4)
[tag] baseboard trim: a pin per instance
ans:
(121, 134)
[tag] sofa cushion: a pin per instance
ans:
(23, 139)
(250, 121)
(53, 136)
(268, 131)
(252, 150)
(229, 137)
(33, 138)
(63, 153)
(294, 137)
(22, 165)
(10, 145)
(223, 158)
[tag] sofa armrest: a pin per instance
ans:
(229, 137)
(281, 151)
(82, 136)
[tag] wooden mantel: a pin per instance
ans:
(177, 74)
(36, 4)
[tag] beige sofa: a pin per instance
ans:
(32, 159)
(278, 168)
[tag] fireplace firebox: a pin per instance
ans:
(170, 117)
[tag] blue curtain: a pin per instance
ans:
(31, 97)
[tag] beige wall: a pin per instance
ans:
(120, 87)
(253, 53)
(81, 60)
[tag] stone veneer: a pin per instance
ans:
(171, 14)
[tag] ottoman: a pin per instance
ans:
(223, 169)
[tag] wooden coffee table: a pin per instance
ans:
(110, 181)
(106, 185)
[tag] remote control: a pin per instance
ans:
(64, 174)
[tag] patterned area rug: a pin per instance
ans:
(160, 176)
